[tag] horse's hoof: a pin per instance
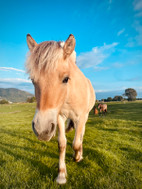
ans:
(79, 159)
(61, 180)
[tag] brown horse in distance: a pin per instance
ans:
(96, 110)
(102, 108)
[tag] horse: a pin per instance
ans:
(96, 110)
(62, 93)
(102, 108)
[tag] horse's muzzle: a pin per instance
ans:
(45, 135)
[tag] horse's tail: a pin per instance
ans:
(70, 126)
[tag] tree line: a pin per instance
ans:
(130, 93)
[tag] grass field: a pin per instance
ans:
(112, 151)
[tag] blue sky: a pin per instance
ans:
(108, 39)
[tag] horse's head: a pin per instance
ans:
(99, 106)
(49, 67)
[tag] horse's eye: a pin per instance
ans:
(65, 80)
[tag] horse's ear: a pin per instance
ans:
(31, 42)
(69, 46)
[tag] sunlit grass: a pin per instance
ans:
(112, 150)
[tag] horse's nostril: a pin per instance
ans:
(46, 132)
(33, 127)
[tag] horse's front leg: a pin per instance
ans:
(61, 179)
(78, 139)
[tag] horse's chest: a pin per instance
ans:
(69, 113)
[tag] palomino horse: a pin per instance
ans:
(62, 92)
(102, 108)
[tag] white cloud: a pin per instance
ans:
(110, 1)
(139, 88)
(120, 32)
(131, 42)
(18, 83)
(133, 79)
(138, 28)
(11, 69)
(137, 5)
(117, 65)
(109, 4)
(14, 80)
(139, 14)
(137, 40)
(96, 56)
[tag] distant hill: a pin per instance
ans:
(14, 95)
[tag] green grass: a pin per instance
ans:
(112, 151)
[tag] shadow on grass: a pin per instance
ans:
(19, 135)
(21, 153)
(98, 158)
(133, 154)
(34, 151)
(43, 169)
(2, 162)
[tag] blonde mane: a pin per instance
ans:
(45, 56)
